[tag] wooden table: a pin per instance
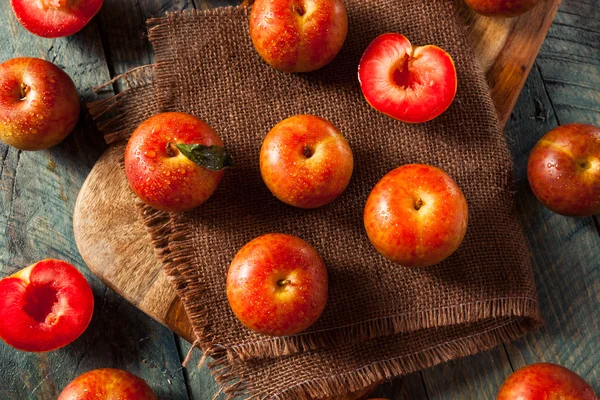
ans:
(38, 192)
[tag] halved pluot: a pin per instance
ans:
(55, 18)
(410, 84)
(45, 306)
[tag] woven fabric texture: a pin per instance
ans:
(381, 319)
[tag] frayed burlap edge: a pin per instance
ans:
(113, 115)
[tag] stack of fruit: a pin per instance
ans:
(415, 216)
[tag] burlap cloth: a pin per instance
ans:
(381, 319)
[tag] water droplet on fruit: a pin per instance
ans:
(33, 130)
(52, 80)
(167, 182)
(151, 168)
(150, 153)
(167, 173)
(34, 103)
(183, 171)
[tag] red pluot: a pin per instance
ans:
(107, 384)
(501, 8)
(157, 170)
(39, 104)
(410, 84)
(298, 35)
(44, 306)
(564, 170)
(277, 285)
(55, 18)
(416, 215)
(545, 381)
(305, 161)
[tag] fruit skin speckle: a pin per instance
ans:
(298, 35)
(39, 104)
(107, 384)
(162, 176)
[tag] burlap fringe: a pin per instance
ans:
(460, 314)
(112, 113)
(387, 369)
(363, 377)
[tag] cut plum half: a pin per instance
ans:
(44, 306)
(410, 84)
(55, 18)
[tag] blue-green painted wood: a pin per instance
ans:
(563, 87)
(37, 196)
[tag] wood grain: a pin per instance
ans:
(506, 49)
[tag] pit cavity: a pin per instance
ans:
(39, 301)
(401, 75)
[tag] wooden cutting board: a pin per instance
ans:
(116, 247)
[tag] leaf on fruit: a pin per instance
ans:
(214, 158)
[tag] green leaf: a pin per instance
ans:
(212, 157)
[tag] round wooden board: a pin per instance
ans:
(115, 244)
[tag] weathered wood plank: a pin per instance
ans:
(201, 384)
(37, 193)
(564, 250)
(569, 63)
(410, 387)
(123, 28)
(471, 378)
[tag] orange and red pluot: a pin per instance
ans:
(277, 285)
(39, 104)
(416, 215)
(298, 35)
(306, 162)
